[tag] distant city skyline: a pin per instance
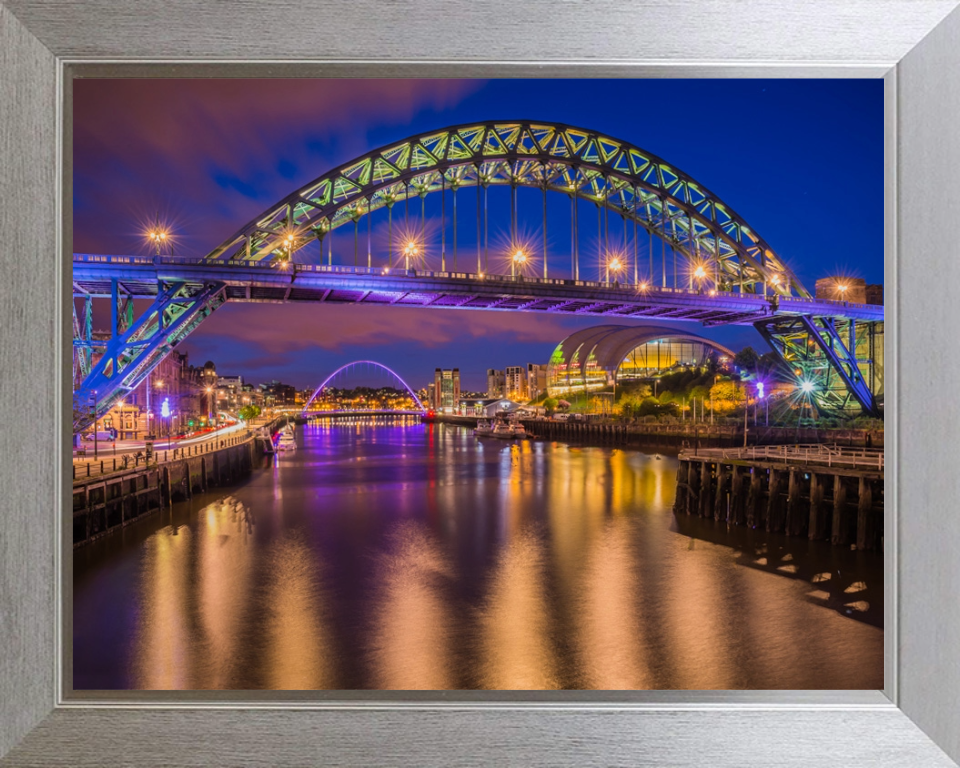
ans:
(800, 160)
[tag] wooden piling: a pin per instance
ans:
(706, 489)
(841, 517)
(775, 522)
(797, 520)
(720, 510)
(868, 532)
(754, 495)
(819, 524)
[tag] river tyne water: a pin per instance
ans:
(389, 554)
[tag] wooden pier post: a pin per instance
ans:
(693, 479)
(720, 510)
(753, 497)
(796, 519)
(867, 528)
(819, 524)
(706, 489)
(737, 495)
(775, 502)
(841, 517)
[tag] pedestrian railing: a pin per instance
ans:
(819, 454)
(84, 467)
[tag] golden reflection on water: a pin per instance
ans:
(516, 651)
(224, 560)
(163, 644)
(411, 638)
(298, 643)
(610, 642)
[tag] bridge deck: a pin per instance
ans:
(139, 277)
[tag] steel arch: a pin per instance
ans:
(578, 162)
(342, 368)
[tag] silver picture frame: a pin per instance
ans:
(914, 45)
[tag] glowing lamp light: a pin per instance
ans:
(806, 386)
(775, 279)
(520, 257)
(165, 408)
(700, 273)
(760, 389)
(643, 286)
(411, 249)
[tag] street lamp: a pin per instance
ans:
(699, 274)
(93, 397)
(842, 288)
(119, 434)
(158, 237)
(518, 260)
(209, 403)
(614, 265)
(409, 251)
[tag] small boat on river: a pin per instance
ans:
(287, 441)
(484, 428)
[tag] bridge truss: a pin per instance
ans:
(730, 274)
(614, 175)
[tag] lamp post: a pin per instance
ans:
(614, 265)
(119, 427)
(158, 237)
(410, 250)
(93, 396)
(700, 273)
(517, 262)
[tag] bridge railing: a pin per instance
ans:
(422, 273)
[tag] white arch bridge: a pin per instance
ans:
(364, 366)
(640, 239)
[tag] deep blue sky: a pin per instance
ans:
(800, 160)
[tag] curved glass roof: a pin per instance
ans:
(606, 346)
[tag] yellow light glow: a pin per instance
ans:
(520, 257)
(616, 265)
(775, 279)
(700, 273)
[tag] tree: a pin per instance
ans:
(551, 404)
(249, 412)
(747, 359)
(726, 396)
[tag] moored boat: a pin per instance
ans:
(483, 428)
(287, 441)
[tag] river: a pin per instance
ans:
(389, 554)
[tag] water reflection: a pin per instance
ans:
(414, 556)
(516, 652)
(163, 643)
(411, 643)
(299, 647)
(610, 637)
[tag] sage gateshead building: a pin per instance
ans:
(599, 357)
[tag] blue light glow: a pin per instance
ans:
(760, 389)
(165, 408)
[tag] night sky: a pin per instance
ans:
(800, 160)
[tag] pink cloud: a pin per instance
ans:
(211, 154)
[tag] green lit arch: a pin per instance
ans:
(574, 161)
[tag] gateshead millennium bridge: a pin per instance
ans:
(722, 271)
